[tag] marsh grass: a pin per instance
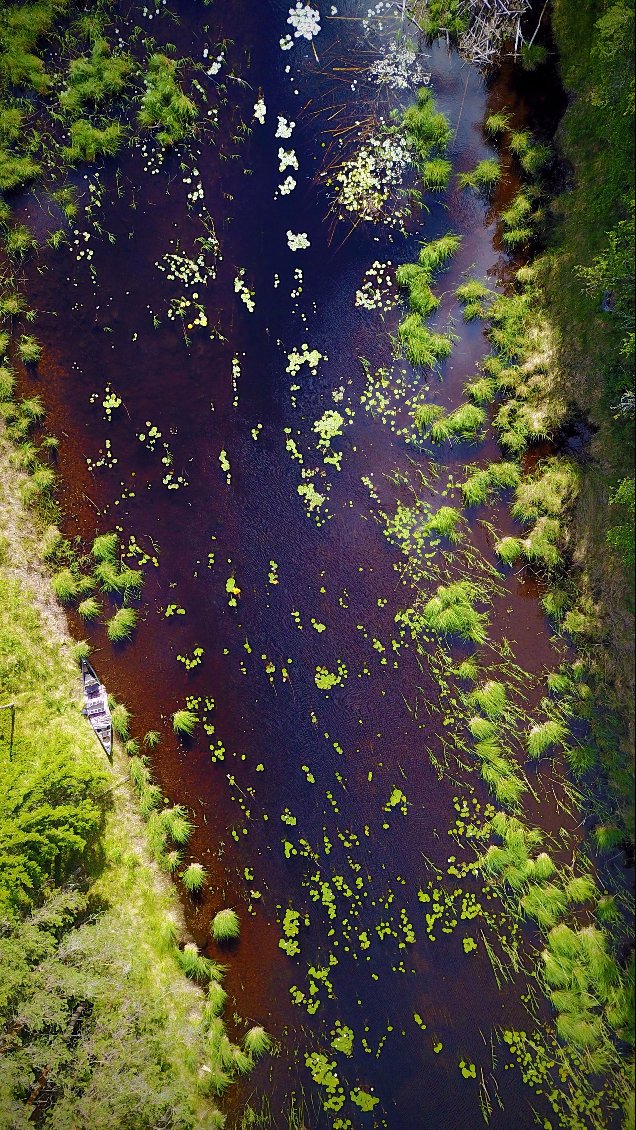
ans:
(88, 142)
(121, 626)
(497, 123)
(65, 585)
(194, 964)
(29, 349)
(120, 717)
(436, 173)
(483, 178)
(177, 824)
(184, 722)
(89, 608)
(445, 523)
(451, 612)
(257, 1042)
(226, 926)
(416, 280)
(434, 255)
(165, 108)
(193, 878)
(491, 697)
(427, 129)
(422, 346)
(509, 549)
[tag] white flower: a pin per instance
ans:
(305, 20)
(287, 186)
(260, 110)
(286, 43)
(284, 128)
(287, 159)
(297, 242)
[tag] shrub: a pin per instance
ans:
(122, 625)
(226, 926)
(184, 722)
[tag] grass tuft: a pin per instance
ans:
(226, 926)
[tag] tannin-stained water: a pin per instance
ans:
(319, 798)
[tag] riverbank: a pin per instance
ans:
(101, 1025)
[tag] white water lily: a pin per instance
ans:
(287, 160)
(284, 128)
(287, 186)
(305, 20)
(297, 242)
(398, 67)
(260, 111)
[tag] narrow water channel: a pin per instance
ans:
(322, 775)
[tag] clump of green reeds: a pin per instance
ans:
(426, 128)
(177, 824)
(29, 349)
(416, 280)
(481, 391)
(533, 155)
(152, 739)
(165, 107)
(491, 697)
(546, 903)
(544, 736)
(94, 78)
(120, 718)
(421, 345)
(445, 523)
(121, 626)
(89, 609)
(434, 255)
(88, 142)
(257, 1042)
(474, 296)
(194, 877)
(184, 722)
(483, 178)
(194, 964)
(451, 612)
(497, 123)
(65, 585)
(436, 174)
(481, 484)
(226, 926)
(19, 241)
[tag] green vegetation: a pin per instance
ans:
(226, 926)
(184, 722)
(483, 178)
(451, 612)
(165, 108)
(122, 625)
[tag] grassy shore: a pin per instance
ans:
(101, 1025)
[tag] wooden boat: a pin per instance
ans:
(96, 707)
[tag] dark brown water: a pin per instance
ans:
(298, 762)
